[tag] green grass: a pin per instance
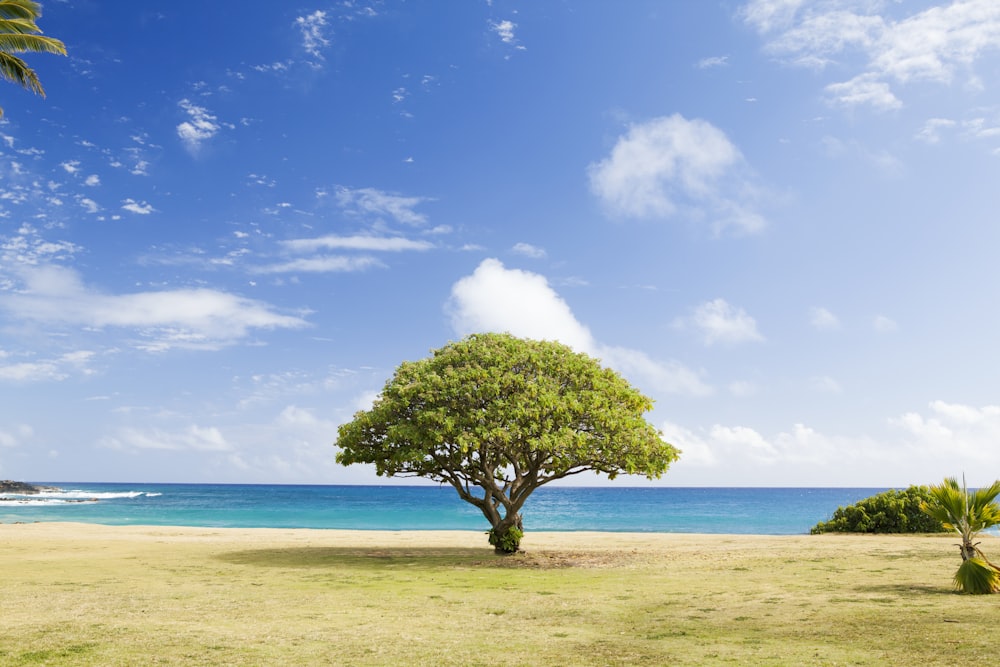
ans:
(213, 599)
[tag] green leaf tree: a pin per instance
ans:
(18, 34)
(967, 513)
(497, 416)
(892, 511)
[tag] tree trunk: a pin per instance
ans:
(506, 534)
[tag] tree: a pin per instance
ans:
(891, 511)
(496, 417)
(19, 33)
(967, 513)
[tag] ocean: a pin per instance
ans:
(764, 511)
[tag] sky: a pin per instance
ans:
(227, 223)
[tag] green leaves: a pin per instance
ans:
(967, 513)
(508, 415)
(891, 511)
(18, 34)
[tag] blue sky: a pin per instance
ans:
(228, 223)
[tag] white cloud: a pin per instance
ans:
(505, 30)
(192, 438)
(55, 369)
(139, 208)
(522, 303)
(335, 264)
(713, 61)
(372, 243)
(883, 324)
(313, 28)
(89, 204)
(930, 132)
(188, 318)
(13, 439)
(719, 322)
(370, 201)
(962, 436)
(658, 167)
(863, 89)
(825, 384)
(200, 127)
(823, 320)
(70, 166)
(932, 44)
(528, 250)
(92, 181)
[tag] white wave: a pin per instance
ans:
(64, 496)
(17, 501)
(77, 494)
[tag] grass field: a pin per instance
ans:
(95, 595)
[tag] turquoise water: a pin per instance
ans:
(766, 511)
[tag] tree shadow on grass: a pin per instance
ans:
(357, 557)
(378, 558)
(907, 589)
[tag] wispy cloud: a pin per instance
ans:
(46, 370)
(669, 163)
(368, 202)
(335, 264)
(934, 44)
(713, 61)
(372, 243)
(186, 318)
(313, 28)
(823, 320)
(528, 250)
(504, 30)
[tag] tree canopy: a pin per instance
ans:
(497, 416)
(19, 33)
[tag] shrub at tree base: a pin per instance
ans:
(891, 511)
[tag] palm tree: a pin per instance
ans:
(968, 513)
(18, 33)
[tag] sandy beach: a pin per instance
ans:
(81, 594)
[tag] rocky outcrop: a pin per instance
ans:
(23, 488)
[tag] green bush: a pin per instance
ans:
(891, 511)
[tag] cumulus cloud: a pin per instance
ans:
(199, 128)
(863, 89)
(719, 322)
(494, 298)
(139, 208)
(187, 318)
(670, 164)
(932, 44)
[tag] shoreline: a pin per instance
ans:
(64, 531)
